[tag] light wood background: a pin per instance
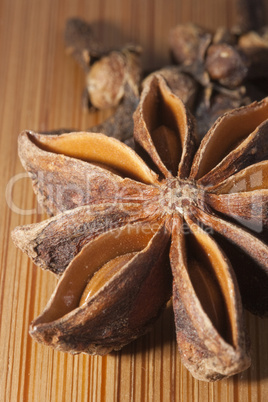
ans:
(40, 89)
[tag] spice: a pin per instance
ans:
(120, 124)
(215, 72)
(182, 84)
(112, 77)
(226, 63)
(183, 213)
(107, 70)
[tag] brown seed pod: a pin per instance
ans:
(107, 70)
(226, 65)
(190, 215)
(230, 66)
(188, 45)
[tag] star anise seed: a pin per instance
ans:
(124, 225)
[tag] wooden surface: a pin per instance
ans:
(40, 89)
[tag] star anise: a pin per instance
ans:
(125, 227)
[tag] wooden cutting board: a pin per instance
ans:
(40, 89)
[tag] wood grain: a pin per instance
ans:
(40, 89)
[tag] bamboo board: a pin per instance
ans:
(40, 89)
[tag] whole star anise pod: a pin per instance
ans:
(124, 228)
